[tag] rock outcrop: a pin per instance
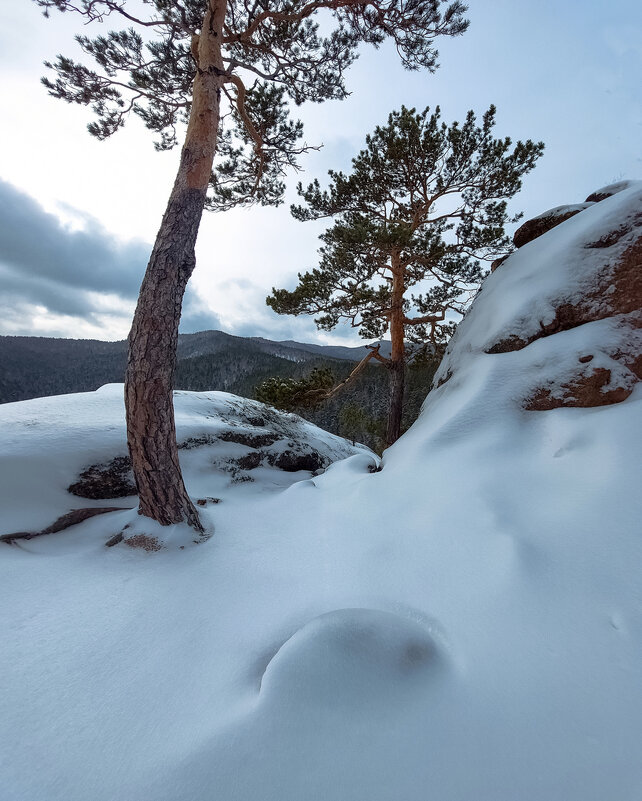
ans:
(605, 374)
(535, 227)
(74, 447)
(539, 225)
(241, 435)
(608, 191)
(571, 304)
(113, 479)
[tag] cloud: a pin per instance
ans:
(72, 279)
(51, 295)
(76, 279)
(57, 280)
(197, 316)
(36, 246)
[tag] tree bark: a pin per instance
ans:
(151, 432)
(397, 356)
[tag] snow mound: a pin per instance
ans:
(353, 660)
(608, 191)
(538, 226)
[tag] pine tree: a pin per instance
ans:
(424, 203)
(352, 420)
(227, 69)
(291, 394)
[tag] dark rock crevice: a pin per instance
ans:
(102, 481)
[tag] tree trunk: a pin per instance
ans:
(397, 356)
(151, 433)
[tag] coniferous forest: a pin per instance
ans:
(42, 366)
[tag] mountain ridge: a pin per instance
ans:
(43, 366)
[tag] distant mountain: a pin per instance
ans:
(41, 366)
(213, 342)
(32, 367)
(205, 342)
(332, 351)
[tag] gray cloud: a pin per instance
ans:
(45, 264)
(86, 275)
(55, 297)
(35, 245)
(265, 323)
(196, 315)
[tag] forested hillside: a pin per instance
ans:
(33, 367)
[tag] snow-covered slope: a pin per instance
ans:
(78, 442)
(465, 625)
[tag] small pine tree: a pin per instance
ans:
(290, 394)
(425, 202)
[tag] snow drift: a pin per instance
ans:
(465, 624)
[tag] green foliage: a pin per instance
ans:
(352, 419)
(290, 394)
(355, 424)
(272, 52)
(244, 175)
(430, 196)
(359, 411)
(369, 393)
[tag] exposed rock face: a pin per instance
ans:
(111, 480)
(606, 374)
(571, 304)
(291, 461)
(593, 389)
(498, 262)
(543, 223)
(614, 286)
(531, 229)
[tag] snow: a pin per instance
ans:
(48, 442)
(560, 211)
(613, 189)
(559, 266)
(464, 624)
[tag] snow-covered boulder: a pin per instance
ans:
(608, 191)
(584, 280)
(74, 449)
(539, 225)
(547, 220)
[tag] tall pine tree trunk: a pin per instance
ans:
(397, 356)
(151, 433)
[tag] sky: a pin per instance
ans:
(78, 216)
